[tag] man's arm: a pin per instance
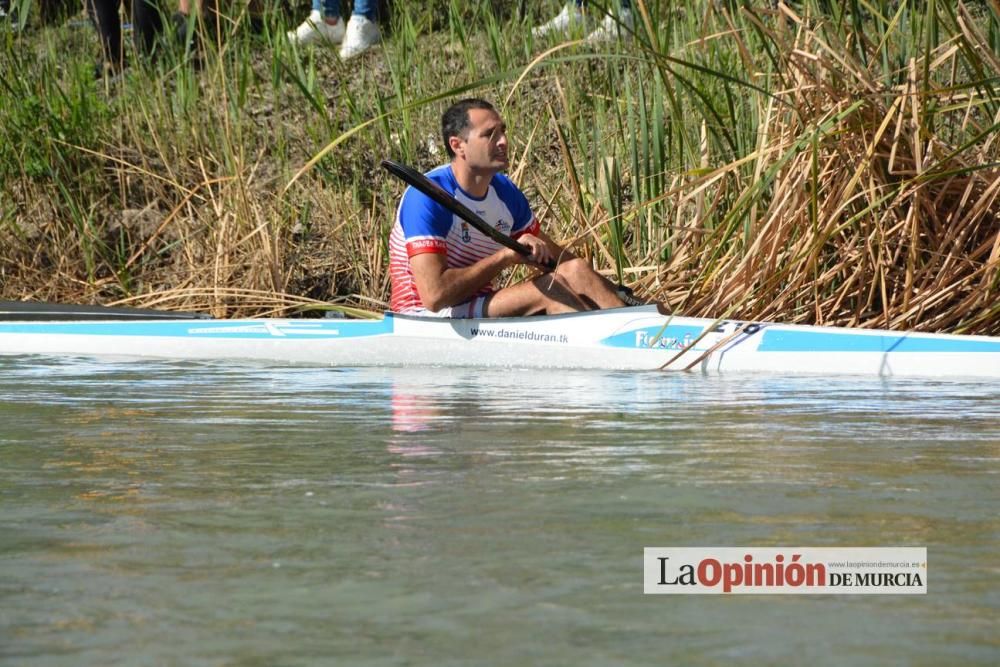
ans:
(440, 287)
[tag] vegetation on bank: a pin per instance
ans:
(814, 162)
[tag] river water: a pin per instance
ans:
(196, 514)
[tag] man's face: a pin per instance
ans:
(485, 143)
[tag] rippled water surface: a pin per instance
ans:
(164, 513)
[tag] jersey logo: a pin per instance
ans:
(466, 237)
(502, 226)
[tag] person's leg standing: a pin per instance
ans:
(322, 25)
(570, 18)
(362, 30)
(146, 24)
(613, 26)
(104, 14)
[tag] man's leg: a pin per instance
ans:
(579, 277)
(545, 295)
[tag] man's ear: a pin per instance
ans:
(455, 142)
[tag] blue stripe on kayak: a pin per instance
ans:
(777, 340)
(672, 338)
(228, 329)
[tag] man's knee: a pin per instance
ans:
(547, 286)
(574, 269)
(555, 296)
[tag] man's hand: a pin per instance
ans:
(541, 254)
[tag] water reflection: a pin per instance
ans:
(155, 510)
(782, 432)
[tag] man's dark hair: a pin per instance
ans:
(455, 121)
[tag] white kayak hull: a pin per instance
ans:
(622, 339)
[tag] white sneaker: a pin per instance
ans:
(362, 34)
(610, 29)
(315, 29)
(570, 17)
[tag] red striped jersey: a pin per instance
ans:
(423, 225)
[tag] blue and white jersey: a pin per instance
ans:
(422, 225)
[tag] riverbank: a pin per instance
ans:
(765, 164)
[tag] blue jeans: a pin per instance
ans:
(329, 8)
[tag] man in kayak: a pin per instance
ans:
(441, 266)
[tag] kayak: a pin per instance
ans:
(635, 338)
